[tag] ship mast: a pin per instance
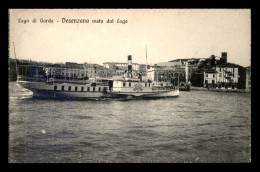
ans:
(178, 80)
(146, 60)
(186, 72)
(17, 74)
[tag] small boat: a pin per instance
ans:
(184, 86)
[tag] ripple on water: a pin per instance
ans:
(189, 128)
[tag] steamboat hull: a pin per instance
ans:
(163, 94)
(43, 90)
(146, 95)
(52, 91)
(125, 94)
(49, 94)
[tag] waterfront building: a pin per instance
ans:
(142, 68)
(77, 71)
(182, 68)
(225, 76)
(182, 62)
(95, 70)
(210, 78)
(199, 70)
(31, 72)
(65, 72)
(160, 74)
(28, 70)
(120, 69)
(206, 65)
(73, 65)
(248, 78)
(109, 65)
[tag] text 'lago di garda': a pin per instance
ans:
(65, 20)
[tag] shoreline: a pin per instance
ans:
(219, 90)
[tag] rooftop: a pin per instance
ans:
(188, 59)
(211, 71)
(119, 63)
(228, 65)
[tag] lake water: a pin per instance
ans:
(197, 126)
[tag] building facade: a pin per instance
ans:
(168, 73)
(224, 76)
(210, 78)
(248, 78)
(78, 71)
(159, 74)
(109, 65)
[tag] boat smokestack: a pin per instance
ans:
(130, 63)
(129, 68)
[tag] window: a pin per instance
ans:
(94, 89)
(88, 88)
(76, 88)
(206, 75)
(69, 88)
(219, 74)
(99, 88)
(145, 84)
(220, 69)
(129, 84)
(123, 84)
(149, 84)
(82, 88)
(62, 88)
(213, 76)
(55, 87)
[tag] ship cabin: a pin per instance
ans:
(79, 88)
(99, 81)
(129, 85)
(163, 86)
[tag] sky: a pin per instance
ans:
(168, 34)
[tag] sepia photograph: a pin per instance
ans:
(129, 86)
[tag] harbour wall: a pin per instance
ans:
(220, 90)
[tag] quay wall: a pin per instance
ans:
(219, 90)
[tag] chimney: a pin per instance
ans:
(224, 57)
